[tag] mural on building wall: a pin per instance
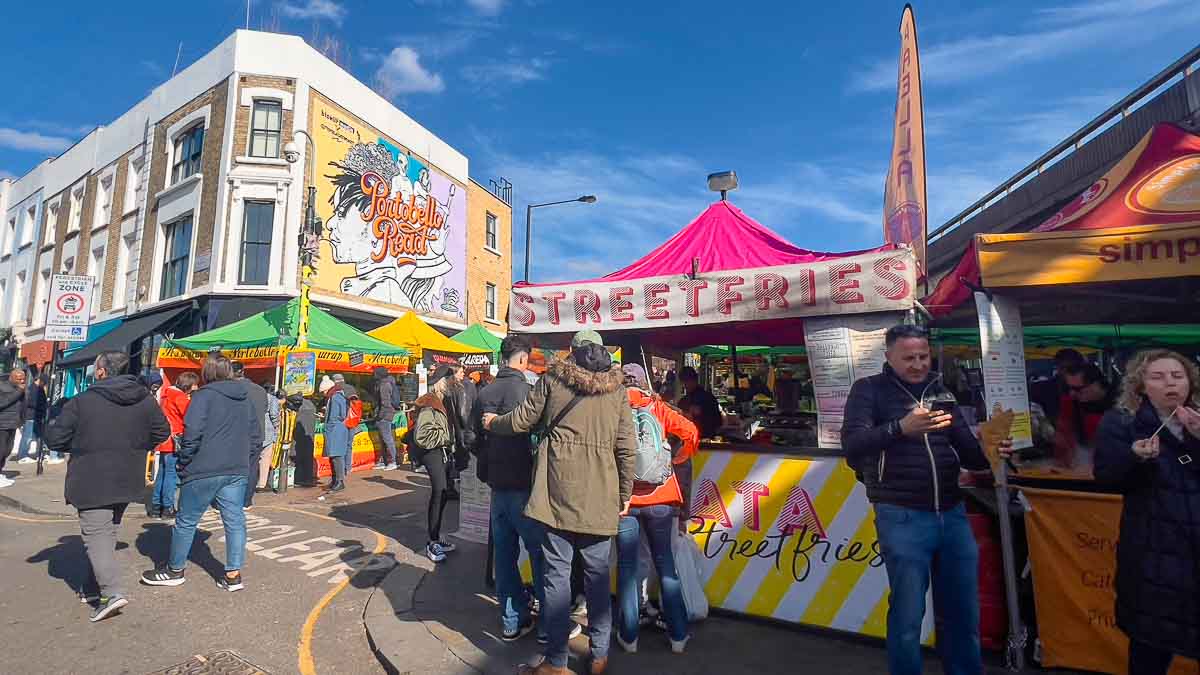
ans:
(396, 226)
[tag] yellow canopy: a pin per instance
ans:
(410, 332)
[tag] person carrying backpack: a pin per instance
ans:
(433, 442)
(653, 509)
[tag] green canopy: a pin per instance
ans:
(1098, 336)
(479, 337)
(278, 327)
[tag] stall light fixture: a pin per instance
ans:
(723, 182)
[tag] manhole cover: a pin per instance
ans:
(214, 663)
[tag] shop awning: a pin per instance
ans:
(722, 279)
(1139, 221)
(258, 340)
(119, 338)
(413, 334)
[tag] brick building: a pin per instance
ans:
(186, 212)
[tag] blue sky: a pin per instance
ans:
(636, 102)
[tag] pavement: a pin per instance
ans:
(334, 586)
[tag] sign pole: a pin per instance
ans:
(41, 444)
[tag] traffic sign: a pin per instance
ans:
(69, 310)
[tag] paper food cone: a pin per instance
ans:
(993, 432)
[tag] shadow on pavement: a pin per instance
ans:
(154, 543)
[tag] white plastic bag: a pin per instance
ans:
(687, 566)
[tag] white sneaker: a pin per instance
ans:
(434, 552)
(576, 631)
(27, 460)
(629, 647)
(6, 482)
(55, 460)
(677, 646)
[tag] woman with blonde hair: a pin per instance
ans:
(1148, 447)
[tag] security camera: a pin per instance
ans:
(291, 153)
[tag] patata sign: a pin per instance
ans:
(871, 282)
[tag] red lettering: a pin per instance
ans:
(841, 288)
(552, 311)
(799, 514)
(751, 492)
(770, 289)
(707, 504)
(587, 304)
(808, 288)
(618, 306)
(692, 288)
(522, 308)
(656, 307)
(889, 282)
(726, 296)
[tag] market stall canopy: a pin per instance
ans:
(1097, 336)
(413, 334)
(258, 341)
(723, 279)
(721, 351)
(477, 336)
(1139, 221)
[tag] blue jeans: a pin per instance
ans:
(194, 498)
(165, 482)
(659, 523)
(558, 548)
(915, 545)
(510, 528)
(28, 447)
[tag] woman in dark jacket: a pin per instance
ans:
(1149, 448)
(220, 436)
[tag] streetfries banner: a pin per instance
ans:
(870, 282)
(1073, 550)
(904, 202)
(1089, 256)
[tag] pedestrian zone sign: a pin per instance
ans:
(69, 310)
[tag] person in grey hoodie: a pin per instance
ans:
(267, 422)
(222, 434)
(385, 412)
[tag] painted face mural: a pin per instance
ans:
(401, 225)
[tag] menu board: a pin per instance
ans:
(1002, 342)
(841, 350)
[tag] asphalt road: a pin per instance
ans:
(308, 578)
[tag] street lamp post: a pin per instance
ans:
(586, 199)
(310, 234)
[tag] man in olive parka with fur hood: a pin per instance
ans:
(582, 482)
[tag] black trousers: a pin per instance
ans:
(252, 478)
(434, 462)
(1147, 660)
(7, 436)
(306, 464)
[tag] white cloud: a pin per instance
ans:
(32, 141)
(510, 72)
(1062, 30)
(4, 173)
(488, 7)
(313, 9)
(401, 73)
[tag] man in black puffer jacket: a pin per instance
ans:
(909, 457)
(107, 430)
(506, 462)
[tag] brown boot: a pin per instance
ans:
(542, 668)
(599, 665)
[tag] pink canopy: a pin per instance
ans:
(721, 239)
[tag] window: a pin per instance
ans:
(96, 270)
(50, 225)
(15, 311)
(68, 265)
(124, 253)
(30, 225)
(189, 146)
(133, 183)
(259, 222)
(76, 212)
(266, 123)
(490, 232)
(177, 249)
(489, 302)
(43, 296)
(103, 202)
(10, 237)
